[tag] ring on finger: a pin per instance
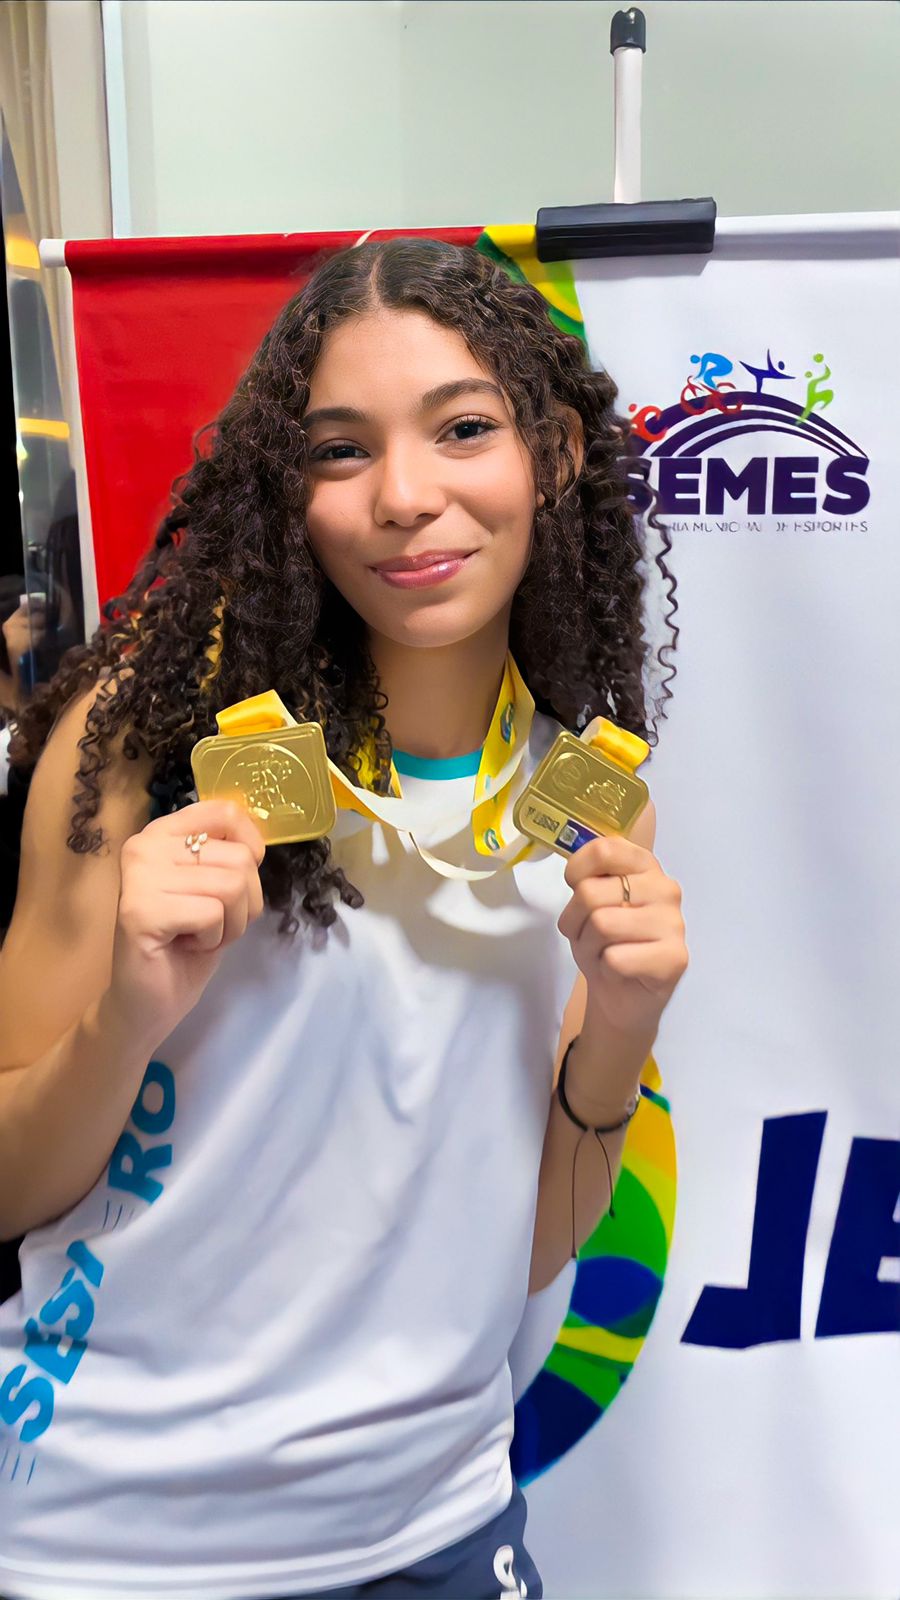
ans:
(193, 841)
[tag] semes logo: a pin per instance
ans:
(686, 443)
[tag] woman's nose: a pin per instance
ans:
(408, 486)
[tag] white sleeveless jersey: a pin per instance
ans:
(267, 1352)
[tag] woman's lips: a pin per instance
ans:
(424, 577)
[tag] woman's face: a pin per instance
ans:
(450, 477)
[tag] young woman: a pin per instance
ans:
(279, 1129)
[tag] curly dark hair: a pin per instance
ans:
(237, 530)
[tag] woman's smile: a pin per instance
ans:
(425, 573)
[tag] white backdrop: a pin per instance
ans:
(753, 1451)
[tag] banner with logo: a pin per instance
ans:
(753, 1449)
(706, 1402)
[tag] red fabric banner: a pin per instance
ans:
(164, 329)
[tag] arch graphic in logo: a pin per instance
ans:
(824, 475)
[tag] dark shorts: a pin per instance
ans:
(488, 1564)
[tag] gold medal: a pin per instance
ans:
(280, 771)
(584, 787)
(280, 776)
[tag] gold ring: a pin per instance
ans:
(626, 889)
(193, 841)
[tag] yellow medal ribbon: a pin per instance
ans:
(585, 784)
(501, 756)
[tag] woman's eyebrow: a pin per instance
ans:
(429, 402)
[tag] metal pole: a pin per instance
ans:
(627, 43)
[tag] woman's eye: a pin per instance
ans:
(325, 455)
(473, 422)
(464, 422)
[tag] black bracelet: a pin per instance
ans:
(586, 1127)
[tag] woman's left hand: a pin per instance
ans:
(632, 954)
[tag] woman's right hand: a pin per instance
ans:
(178, 911)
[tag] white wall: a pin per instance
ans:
(283, 115)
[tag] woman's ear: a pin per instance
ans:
(576, 436)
